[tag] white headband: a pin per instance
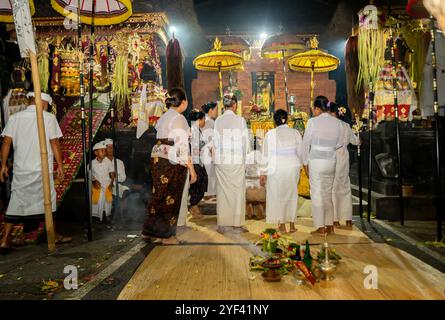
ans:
(44, 96)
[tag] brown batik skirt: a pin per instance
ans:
(163, 209)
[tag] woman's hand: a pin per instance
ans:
(4, 173)
(263, 180)
(96, 185)
(306, 169)
(193, 177)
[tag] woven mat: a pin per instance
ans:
(71, 143)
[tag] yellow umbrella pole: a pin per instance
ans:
(285, 81)
(220, 90)
(312, 86)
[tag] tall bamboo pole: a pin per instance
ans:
(285, 80)
(436, 132)
(43, 155)
(220, 88)
(87, 194)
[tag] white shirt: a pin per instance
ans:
(231, 139)
(282, 142)
(22, 129)
(173, 126)
(208, 129)
(322, 137)
(197, 143)
(121, 176)
(348, 136)
(101, 171)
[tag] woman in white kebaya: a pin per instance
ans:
(211, 113)
(281, 169)
(342, 196)
(322, 137)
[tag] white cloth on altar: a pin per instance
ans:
(321, 139)
(341, 193)
(253, 169)
(281, 163)
(27, 185)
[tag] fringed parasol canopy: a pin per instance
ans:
(282, 45)
(6, 10)
(107, 12)
(313, 61)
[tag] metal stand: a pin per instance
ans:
(370, 128)
(84, 131)
(436, 132)
(360, 181)
(396, 124)
(91, 84)
(113, 131)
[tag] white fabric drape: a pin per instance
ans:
(231, 141)
(231, 195)
(281, 163)
(207, 156)
(341, 193)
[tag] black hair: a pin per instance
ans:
(175, 97)
(279, 116)
(209, 106)
(229, 101)
(343, 113)
(321, 102)
(196, 115)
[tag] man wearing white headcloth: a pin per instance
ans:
(121, 177)
(103, 175)
(231, 141)
(27, 202)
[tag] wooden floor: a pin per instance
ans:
(215, 267)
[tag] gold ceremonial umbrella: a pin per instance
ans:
(313, 61)
(107, 12)
(6, 10)
(219, 61)
(279, 47)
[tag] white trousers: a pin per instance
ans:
(231, 195)
(321, 177)
(341, 193)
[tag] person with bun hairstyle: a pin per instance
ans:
(342, 195)
(198, 189)
(281, 172)
(211, 113)
(172, 171)
(231, 141)
(321, 139)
